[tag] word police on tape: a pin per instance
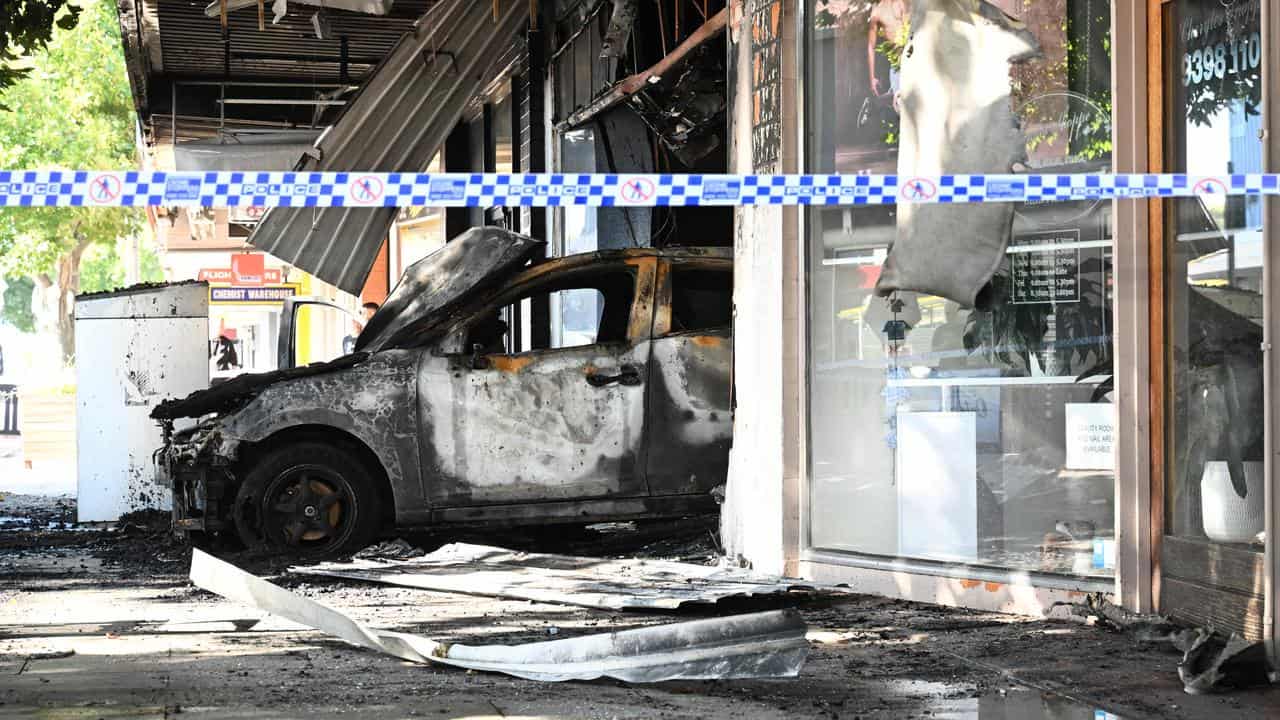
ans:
(341, 189)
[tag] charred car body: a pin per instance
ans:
(453, 411)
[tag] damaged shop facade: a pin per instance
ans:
(1007, 406)
(999, 406)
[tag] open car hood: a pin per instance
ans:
(421, 302)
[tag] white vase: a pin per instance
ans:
(1227, 516)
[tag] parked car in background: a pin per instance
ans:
(485, 392)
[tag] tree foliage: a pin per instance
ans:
(26, 26)
(73, 110)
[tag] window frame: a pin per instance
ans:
(662, 320)
(552, 274)
(871, 566)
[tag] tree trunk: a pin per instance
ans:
(68, 288)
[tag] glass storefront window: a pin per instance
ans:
(944, 434)
(578, 154)
(1214, 309)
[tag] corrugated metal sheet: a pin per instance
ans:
(396, 123)
(755, 645)
(606, 584)
(191, 43)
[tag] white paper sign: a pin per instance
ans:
(1091, 436)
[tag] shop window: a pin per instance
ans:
(1213, 298)
(701, 299)
(939, 433)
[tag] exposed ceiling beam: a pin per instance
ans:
(369, 7)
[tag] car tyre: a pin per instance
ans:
(308, 499)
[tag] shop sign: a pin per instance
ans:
(270, 276)
(1222, 46)
(1091, 436)
(248, 269)
(1218, 61)
(1067, 132)
(251, 294)
(1046, 275)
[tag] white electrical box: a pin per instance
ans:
(134, 348)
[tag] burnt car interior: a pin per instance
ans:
(594, 307)
(701, 299)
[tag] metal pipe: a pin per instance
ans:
(245, 55)
(237, 83)
(173, 114)
(627, 87)
(278, 101)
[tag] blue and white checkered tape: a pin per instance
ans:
(85, 188)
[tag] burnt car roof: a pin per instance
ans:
(474, 262)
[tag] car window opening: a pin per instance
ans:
(701, 299)
(587, 309)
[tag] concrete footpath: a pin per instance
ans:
(106, 624)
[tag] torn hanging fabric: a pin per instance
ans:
(956, 117)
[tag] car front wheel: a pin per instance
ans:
(309, 499)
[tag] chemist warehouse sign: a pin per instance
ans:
(252, 295)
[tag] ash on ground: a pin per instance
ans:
(140, 541)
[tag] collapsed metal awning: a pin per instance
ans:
(754, 645)
(619, 584)
(397, 122)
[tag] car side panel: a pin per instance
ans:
(690, 420)
(530, 428)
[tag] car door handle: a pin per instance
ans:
(628, 375)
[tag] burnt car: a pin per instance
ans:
(486, 391)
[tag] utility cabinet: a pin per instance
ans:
(134, 348)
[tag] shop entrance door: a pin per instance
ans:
(1211, 559)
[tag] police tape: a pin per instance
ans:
(79, 188)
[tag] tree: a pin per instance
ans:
(26, 27)
(72, 110)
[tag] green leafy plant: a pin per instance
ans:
(1011, 333)
(892, 49)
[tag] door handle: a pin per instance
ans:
(627, 375)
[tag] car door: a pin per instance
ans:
(503, 422)
(338, 334)
(690, 416)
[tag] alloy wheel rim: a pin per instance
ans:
(307, 507)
